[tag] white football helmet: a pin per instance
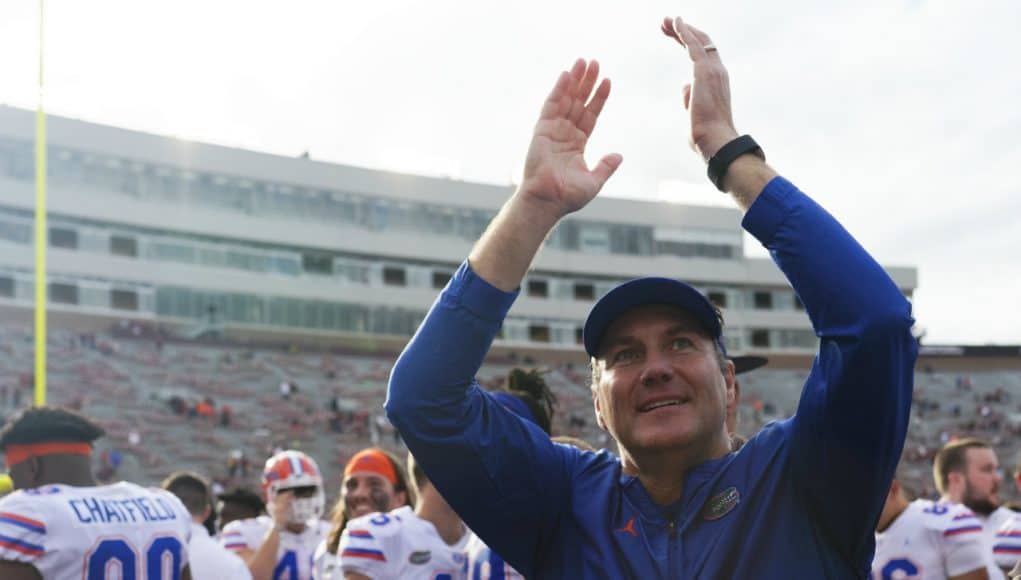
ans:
(290, 469)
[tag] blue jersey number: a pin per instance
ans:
(162, 560)
(900, 565)
(287, 567)
(488, 566)
(937, 509)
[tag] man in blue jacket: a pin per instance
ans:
(798, 500)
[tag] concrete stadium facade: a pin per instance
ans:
(155, 228)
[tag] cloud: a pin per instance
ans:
(898, 116)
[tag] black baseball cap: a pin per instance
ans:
(649, 290)
(743, 364)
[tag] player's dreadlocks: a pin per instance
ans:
(531, 388)
(46, 425)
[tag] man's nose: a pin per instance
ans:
(657, 370)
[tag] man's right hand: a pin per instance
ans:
(280, 508)
(556, 175)
(557, 181)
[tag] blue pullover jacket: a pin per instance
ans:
(799, 500)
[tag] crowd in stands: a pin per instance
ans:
(220, 409)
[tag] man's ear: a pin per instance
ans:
(955, 478)
(598, 409)
(35, 471)
(733, 387)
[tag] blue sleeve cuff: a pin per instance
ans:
(771, 208)
(469, 291)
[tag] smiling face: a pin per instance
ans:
(366, 492)
(659, 383)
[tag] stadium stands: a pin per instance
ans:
(163, 403)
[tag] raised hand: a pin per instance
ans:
(707, 98)
(280, 508)
(555, 170)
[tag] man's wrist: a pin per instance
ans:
(710, 145)
(532, 209)
(746, 177)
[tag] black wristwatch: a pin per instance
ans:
(720, 162)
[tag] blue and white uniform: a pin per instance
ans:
(399, 545)
(294, 556)
(1007, 542)
(930, 541)
(485, 564)
(85, 533)
(799, 500)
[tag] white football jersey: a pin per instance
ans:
(1007, 542)
(485, 564)
(326, 566)
(400, 545)
(80, 533)
(930, 541)
(294, 557)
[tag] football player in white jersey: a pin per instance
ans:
(967, 472)
(374, 481)
(61, 525)
(207, 558)
(427, 543)
(926, 540)
(280, 546)
(1007, 543)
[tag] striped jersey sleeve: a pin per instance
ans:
(371, 545)
(964, 546)
(23, 531)
(1007, 543)
(243, 534)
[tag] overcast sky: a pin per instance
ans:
(902, 117)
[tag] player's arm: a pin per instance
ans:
(503, 476)
(19, 571)
(186, 572)
(966, 555)
(355, 576)
(847, 435)
(262, 560)
(1007, 544)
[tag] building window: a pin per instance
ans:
(584, 291)
(440, 279)
(798, 304)
(579, 335)
(124, 246)
(763, 300)
(63, 293)
(538, 288)
(760, 338)
(317, 264)
(718, 298)
(7, 286)
(20, 233)
(538, 333)
(594, 239)
(63, 238)
(798, 339)
(395, 276)
(124, 299)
